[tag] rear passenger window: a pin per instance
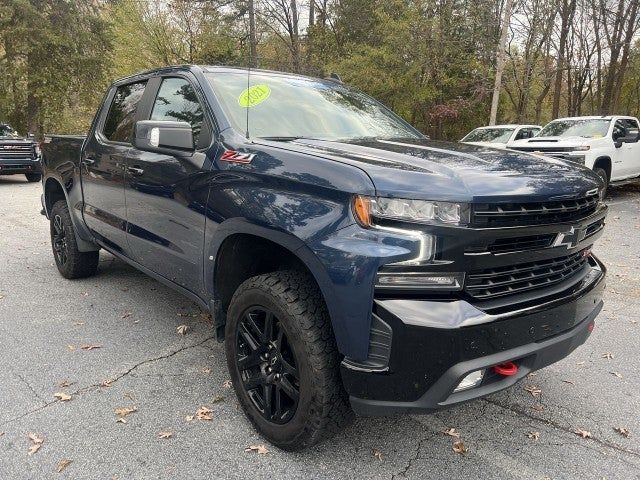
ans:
(118, 126)
(177, 101)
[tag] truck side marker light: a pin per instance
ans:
(506, 369)
(591, 326)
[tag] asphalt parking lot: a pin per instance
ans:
(139, 361)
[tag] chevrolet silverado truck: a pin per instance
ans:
(18, 155)
(350, 263)
(608, 145)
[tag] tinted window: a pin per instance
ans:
(619, 129)
(118, 126)
(177, 101)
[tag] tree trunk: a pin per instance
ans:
(500, 61)
(253, 40)
(566, 15)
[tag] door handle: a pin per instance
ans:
(135, 171)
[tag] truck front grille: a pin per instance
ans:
(12, 151)
(489, 215)
(497, 282)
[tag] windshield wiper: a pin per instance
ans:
(284, 139)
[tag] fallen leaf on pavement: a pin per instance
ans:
(537, 407)
(206, 370)
(203, 413)
(458, 447)
(569, 382)
(533, 435)
(617, 374)
(623, 431)
(62, 464)
(165, 435)
(121, 420)
(182, 329)
(62, 396)
(106, 383)
(124, 411)
(126, 315)
(189, 418)
(451, 432)
(377, 453)
(261, 449)
(227, 384)
(65, 384)
(580, 363)
(533, 390)
(218, 399)
(36, 443)
(608, 355)
(582, 433)
(71, 348)
(90, 347)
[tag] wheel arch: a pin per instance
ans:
(241, 250)
(53, 192)
(603, 162)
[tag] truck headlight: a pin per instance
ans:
(368, 209)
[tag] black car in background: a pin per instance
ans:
(19, 155)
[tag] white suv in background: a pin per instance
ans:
(500, 136)
(609, 145)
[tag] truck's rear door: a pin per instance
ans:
(103, 166)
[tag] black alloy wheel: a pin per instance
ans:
(59, 241)
(267, 365)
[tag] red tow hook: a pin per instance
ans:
(506, 369)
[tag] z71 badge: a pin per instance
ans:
(237, 157)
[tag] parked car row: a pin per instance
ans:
(19, 155)
(608, 145)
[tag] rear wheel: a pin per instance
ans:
(283, 360)
(71, 262)
(602, 173)
(33, 177)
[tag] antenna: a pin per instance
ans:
(248, 104)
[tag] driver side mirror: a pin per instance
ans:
(162, 136)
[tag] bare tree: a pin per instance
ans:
(500, 61)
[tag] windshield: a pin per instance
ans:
(7, 131)
(492, 135)
(587, 128)
(286, 107)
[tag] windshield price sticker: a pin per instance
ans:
(254, 95)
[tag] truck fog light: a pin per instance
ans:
(418, 280)
(471, 380)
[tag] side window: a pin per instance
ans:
(631, 123)
(118, 126)
(177, 101)
(524, 133)
(619, 130)
(534, 132)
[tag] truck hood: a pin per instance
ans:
(427, 169)
(550, 142)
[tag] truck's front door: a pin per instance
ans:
(103, 162)
(166, 195)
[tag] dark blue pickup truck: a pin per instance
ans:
(349, 262)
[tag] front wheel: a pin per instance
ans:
(283, 360)
(33, 177)
(71, 262)
(602, 173)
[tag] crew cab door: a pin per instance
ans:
(166, 195)
(102, 166)
(629, 152)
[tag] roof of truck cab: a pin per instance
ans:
(509, 125)
(594, 117)
(208, 69)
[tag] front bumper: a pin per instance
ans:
(16, 166)
(435, 344)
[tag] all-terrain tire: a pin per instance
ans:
(300, 312)
(71, 262)
(33, 177)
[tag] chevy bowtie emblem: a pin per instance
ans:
(569, 239)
